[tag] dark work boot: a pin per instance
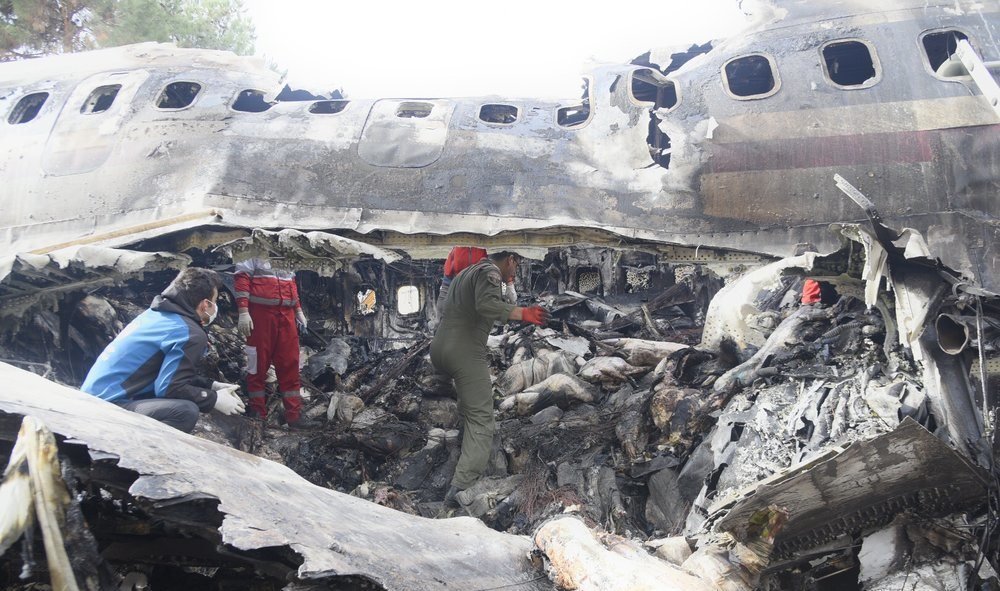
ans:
(292, 401)
(450, 500)
(450, 504)
(257, 408)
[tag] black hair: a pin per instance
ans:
(194, 284)
(499, 256)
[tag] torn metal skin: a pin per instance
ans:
(870, 482)
(31, 280)
(747, 167)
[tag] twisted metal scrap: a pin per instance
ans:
(32, 489)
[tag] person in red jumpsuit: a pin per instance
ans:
(811, 292)
(458, 259)
(268, 302)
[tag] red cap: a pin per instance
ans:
(810, 292)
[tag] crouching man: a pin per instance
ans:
(150, 366)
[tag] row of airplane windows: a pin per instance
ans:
(847, 64)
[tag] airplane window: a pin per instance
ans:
(659, 94)
(328, 107)
(588, 280)
(647, 89)
(637, 279)
(939, 47)
(408, 300)
(178, 95)
(414, 110)
(849, 63)
(251, 101)
(506, 114)
(101, 99)
(366, 302)
(574, 116)
(751, 76)
(27, 108)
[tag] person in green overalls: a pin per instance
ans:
(459, 351)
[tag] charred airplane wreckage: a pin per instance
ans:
(687, 420)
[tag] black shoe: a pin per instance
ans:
(450, 499)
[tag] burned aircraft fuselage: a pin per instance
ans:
(716, 156)
(734, 149)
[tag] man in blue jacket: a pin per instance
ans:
(150, 367)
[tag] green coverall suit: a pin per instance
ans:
(459, 351)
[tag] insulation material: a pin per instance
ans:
(520, 376)
(609, 370)
(727, 314)
(643, 352)
(317, 251)
(579, 561)
(674, 550)
(558, 389)
(788, 333)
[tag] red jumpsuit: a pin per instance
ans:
(459, 258)
(272, 299)
(811, 292)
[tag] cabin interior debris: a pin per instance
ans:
(667, 403)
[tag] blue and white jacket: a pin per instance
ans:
(155, 356)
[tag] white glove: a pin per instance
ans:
(223, 386)
(300, 319)
(228, 403)
(509, 294)
(245, 325)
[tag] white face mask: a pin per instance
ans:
(213, 313)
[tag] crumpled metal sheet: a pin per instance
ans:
(266, 504)
(910, 316)
(92, 257)
(27, 279)
(317, 251)
(858, 486)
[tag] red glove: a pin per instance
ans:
(535, 315)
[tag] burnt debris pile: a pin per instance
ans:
(785, 418)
